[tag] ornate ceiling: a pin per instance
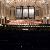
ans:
(25, 2)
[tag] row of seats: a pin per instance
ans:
(18, 39)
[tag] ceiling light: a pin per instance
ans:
(7, 1)
(18, 1)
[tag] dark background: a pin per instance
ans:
(12, 39)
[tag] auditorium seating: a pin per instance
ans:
(13, 39)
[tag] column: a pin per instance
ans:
(0, 12)
(11, 12)
(15, 12)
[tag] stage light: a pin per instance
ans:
(2, 17)
(42, 18)
(47, 17)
